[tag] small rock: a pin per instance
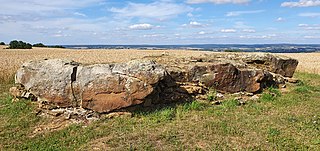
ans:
(55, 112)
(14, 91)
(118, 114)
(254, 98)
(240, 100)
(192, 89)
(292, 80)
(249, 94)
(216, 102)
(219, 95)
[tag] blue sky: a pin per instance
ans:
(160, 22)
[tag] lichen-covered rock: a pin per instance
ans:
(108, 87)
(49, 80)
(101, 87)
(223, 75)
(278, 64)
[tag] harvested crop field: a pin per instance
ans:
(308, 62)
(12, 59)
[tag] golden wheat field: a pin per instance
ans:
(12, 59)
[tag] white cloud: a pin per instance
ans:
(80, 14)
(301, 3)
(309, 14)
(202, 33)
(241, 25)
(311, 37)
(303, 25)
(141, 27)
(280, 19)
(228, 30)
(153, 36)
(157, 10)
(194, 24)
(238, 13)
(218, 1)
(43, 7)
(310, 27)
(269, 36)
(249, 30)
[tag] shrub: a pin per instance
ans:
(19, 45)
(42, 45)
(233, 50)
(2, 43)
(39, 45)
(56, 46)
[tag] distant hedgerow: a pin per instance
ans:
(39, 45)
(56, 46)
(42, 45)
(2, 43)
(19, 45)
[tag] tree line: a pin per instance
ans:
(15, 44)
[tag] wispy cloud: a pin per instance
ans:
(141, 27)
(238, 13)
(268, 36)
(43, 7)
(218, 1)
(228, 30)
(310, 27)
(194, 24)
(249, 30)
(301, 3)
(156, 10)
(311, 37)
(309, 14)
(280, 19)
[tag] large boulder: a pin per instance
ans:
(101, 87)
(104, 88)
(161, 79)
(278, 64)
(49, 80)
(230, 72)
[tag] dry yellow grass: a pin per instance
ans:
(308, 62)
(11, 60)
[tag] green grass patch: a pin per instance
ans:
(287, 121)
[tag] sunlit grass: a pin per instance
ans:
(289, 121)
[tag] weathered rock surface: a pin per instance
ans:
(231, 72)
(108, 87)
(282, 65)
(101, 87)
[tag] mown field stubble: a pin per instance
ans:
(11, 60)
(286, 121)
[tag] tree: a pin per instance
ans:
(39, 45)
(2, 43)
(19, 45)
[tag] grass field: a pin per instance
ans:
(287, 121)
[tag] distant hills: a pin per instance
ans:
(275, 48)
